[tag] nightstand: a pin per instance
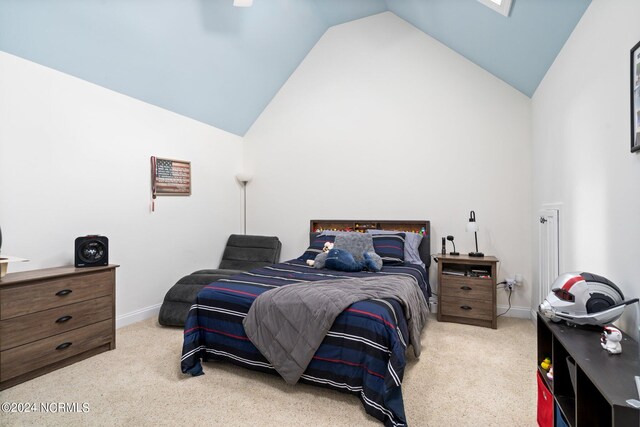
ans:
(467, 290)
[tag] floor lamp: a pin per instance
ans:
(244, 177)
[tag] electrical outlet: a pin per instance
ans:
(510, 284)
(433, 305)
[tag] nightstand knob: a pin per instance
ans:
(465, 307)
(63, 319)
(63, 292)
(465, 288)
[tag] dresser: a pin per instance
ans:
(53, 317)
(467, 290)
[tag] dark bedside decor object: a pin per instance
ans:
(635, 98)
(472, 226)
(454, 253)
(91, 251)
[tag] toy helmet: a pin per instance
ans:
(584, 299)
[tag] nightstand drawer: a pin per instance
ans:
(32, 327)
(28, 357)
(49, 294)
(467, 288)
(469, 308)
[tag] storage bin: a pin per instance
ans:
(545, 404)
(560, 421)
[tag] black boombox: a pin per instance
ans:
(91, 251)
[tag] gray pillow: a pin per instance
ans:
(356, 243)
(411, 244)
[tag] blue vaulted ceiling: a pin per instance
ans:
(222, 65)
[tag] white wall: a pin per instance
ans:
(581, 141)
(381, 121)
(74, 160)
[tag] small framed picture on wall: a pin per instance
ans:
(635, 98)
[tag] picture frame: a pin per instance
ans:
(635, 98)
(170, 177)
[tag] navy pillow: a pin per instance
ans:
(316, 247)
(390, 247)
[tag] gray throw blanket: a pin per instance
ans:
(288, 324)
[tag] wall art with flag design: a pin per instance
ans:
(170, 177)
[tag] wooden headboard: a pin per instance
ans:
(316, 226)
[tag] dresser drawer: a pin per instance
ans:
(32, 327)
(28, 357)
(39, 296)
(467, 288)
(465, 307)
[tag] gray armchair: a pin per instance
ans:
(242, 253)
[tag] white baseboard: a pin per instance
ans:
(137, 315)
(519, 312)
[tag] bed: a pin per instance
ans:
(364, 351)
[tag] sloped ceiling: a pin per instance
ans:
(222, 65)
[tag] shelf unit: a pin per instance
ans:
(603, 382)
(319, 225)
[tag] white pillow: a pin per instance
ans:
(411, 244)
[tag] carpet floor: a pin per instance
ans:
(466, 376)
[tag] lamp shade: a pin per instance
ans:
(244, 177)
(472, 226)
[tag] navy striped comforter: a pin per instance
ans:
(363, 353)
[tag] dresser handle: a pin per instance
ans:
(63, 345)
(63, 292)
(465, 307)
(465, 288)
(64, 319)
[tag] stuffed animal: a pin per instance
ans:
(610, 340)
(325, 249)
(372, 261)
(355, 254)
(342, 260)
